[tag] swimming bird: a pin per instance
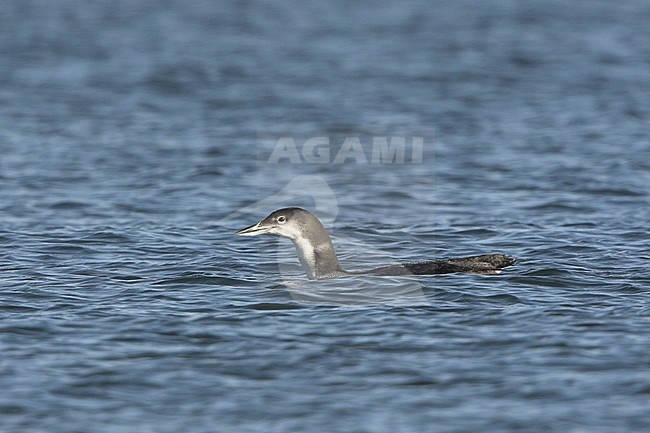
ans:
(319, 261)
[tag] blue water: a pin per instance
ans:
(136, 137)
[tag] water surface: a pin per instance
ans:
(135, 138)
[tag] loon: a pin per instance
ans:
(319, 261)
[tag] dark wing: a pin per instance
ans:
(483, 264)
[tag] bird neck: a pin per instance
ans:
(317, 256)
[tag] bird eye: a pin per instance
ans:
(282, 219)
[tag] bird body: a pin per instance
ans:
(318, 257)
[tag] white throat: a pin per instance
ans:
(306, 255)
